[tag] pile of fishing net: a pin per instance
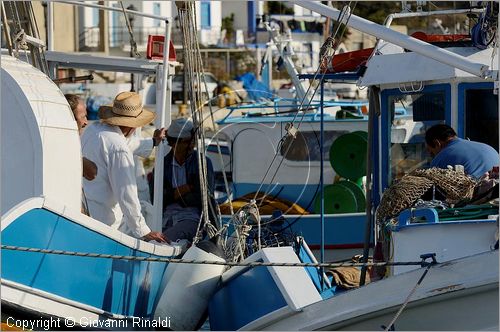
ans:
(448, 185)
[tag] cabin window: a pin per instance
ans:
(481, 116)
(306, 147)
(410, 116)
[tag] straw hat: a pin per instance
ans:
(126, 111)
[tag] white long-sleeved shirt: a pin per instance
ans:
(141, 147)
(112, 196)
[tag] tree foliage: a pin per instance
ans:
(279, 8)
(228, 24)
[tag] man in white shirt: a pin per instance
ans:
(112, 195)
(80, 113)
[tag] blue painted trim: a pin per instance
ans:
(405, 217)
(386, 125)
(251, 18)
(205, 21)
(333, 77)
(315, 275)
(376, 162)
(286, 104)
(321, 182)
(309, 118)
(223, 149)
(341, 231)
(462, 87)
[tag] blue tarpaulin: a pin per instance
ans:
(257, 91)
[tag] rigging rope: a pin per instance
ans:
(193, 261)
(390, 326)
(193, 66)
(130, 32)
(24, 24)
(342, 16)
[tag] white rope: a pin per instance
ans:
(193, 67)
(390, 327)
(342, 18)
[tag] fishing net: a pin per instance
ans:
(454, 185)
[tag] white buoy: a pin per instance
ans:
(190, 287)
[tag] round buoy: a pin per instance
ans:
(348, 155)
(361, 133)
(357, 192)
(338, 199)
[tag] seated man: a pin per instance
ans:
(447, 149)
(182, 201)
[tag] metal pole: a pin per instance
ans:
(400, 39)
(258, 57)
(50, 26)
(163, 119)
(368, 191)
(321, 182)
(284, 49)
(131, 53)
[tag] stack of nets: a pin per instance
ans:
(455, 185)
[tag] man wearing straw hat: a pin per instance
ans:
(112, 196)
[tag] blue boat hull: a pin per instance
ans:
(120, 288)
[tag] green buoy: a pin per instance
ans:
(348, 155)
(338, 199)
(357, 192)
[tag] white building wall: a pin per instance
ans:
(165, 10)
(211, 35)
(144, 26)
(260, 7)
(300, 11)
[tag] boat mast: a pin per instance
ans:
(285, 50)
(163, 120)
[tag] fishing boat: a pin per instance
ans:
(262, 157)
(440, 266)
(289, 170)
(60, 266)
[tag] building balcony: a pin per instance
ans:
(119, 37)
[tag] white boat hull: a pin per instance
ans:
(453, 296)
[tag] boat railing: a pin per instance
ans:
(287, 107)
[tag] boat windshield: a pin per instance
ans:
(306, 147)
(481, 116)
(411, 116)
